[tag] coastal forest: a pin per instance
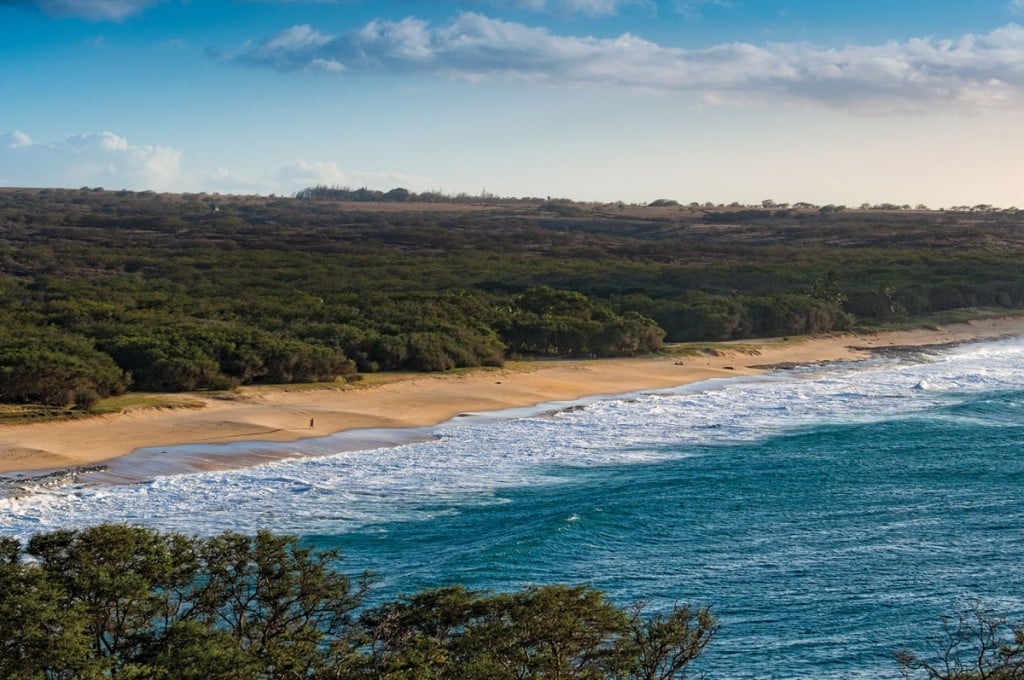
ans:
(102, 292)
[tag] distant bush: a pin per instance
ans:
(547, 321)
(44, 366)
(794, 314)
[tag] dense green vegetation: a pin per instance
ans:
(124, 602)
(104, 291)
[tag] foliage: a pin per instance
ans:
(543, 320)
(104, 291)
(975, 644)
(114, 601)
(539, 632)
(42, 365)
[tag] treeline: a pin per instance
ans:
(322, 192)
(335, 193)
(106, 291)
(698, 316)
(79, 349)
(115, 601)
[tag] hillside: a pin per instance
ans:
(106, 291)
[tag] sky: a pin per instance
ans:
(823, 101)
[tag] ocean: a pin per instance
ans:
(828, 515)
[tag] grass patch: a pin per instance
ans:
(715, 349)
(133, 401)
(944, 318)
(285, 387)
(19, 414)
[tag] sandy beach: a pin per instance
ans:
(281, 415)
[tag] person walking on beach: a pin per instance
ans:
(311, 423)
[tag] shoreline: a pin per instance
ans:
(263, 416)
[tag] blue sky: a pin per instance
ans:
(696, 100)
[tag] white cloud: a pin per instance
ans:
(408, 40)
(298, 175)
(294, 48)
(17, 139)
(692, 8)
(587, 7)
(297, 38)
(327, 65)
(91, 159)
(95, 10)
(110, 10)
(302, 174)
(1017, 6)
(970, 72)
(111, 161)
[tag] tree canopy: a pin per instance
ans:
(116, 601)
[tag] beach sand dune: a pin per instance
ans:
(280, 415)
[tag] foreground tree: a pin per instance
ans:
(283, 605)
(542, 632)
(976, 644)
(123, 602)
(40, 635)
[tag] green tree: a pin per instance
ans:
(975, 644)
(826, 287)
(45, 366)
(553, 631)
(663, 646)
(41, 636)
(129, 583)
(283, 604)
(124, 602)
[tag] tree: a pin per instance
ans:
(975, 644)
(664, 645)
(827, 288)
(49, 367)
(115, 601)
(40, 635)
(128, 583)
(553, 631)
(398, 194)
(283, 604)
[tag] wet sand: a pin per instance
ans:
(255, 414)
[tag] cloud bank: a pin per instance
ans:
(104, 159)
(118, 10)
(972, 72)
(92, 159)
(302, 174)
(95, 10)
(592, 8)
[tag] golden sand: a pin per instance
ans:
(261, 414)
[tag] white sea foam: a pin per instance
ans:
(471, 459)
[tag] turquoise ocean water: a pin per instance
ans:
(828, 515)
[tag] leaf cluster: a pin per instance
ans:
(115, 601)
(974, 644)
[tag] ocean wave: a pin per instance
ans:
(469, 460)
